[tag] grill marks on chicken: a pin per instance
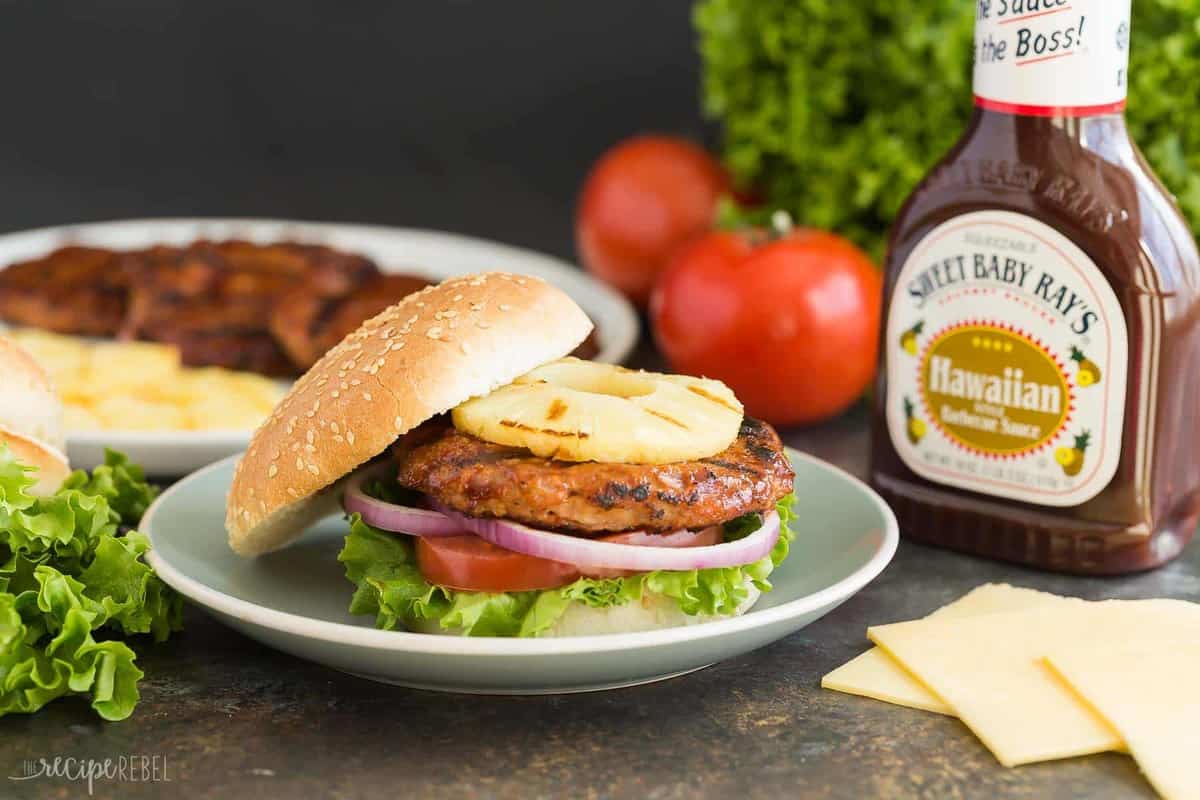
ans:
(269, 308)
(481, 479)
(78, 290)
(213, 300)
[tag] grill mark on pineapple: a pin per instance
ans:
(521, 426)
(556, 410)
(712, 398)
(666, 417)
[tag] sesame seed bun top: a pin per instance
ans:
(422, 357)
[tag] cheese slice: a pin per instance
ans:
(989, 669)
(875, 674)
(1151, 696)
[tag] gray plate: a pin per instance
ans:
(296, 600)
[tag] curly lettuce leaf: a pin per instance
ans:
(72, 661)
(389, 585)
(67, 574)
(119, 482)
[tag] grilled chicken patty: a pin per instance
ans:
(482, 479)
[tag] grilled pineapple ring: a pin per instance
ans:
(576, 410)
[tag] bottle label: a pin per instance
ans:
(1051, 57)
(1006, 354)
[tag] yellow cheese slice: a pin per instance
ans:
(875, 674)
(1152, 698)
(989, 669)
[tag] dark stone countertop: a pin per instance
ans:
(233, 719)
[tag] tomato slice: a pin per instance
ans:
(472, 564)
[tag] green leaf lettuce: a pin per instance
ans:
(72, 576)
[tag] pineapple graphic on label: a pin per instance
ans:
(1088, 373)
(1071, 458)
(908, 339)
(916, 425)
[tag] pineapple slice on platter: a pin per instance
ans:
(576, 410)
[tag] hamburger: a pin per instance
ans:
(495, 487)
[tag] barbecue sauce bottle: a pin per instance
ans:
(1041, 368)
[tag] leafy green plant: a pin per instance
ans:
(836, 110)
(72, 579)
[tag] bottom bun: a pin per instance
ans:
(653, 612)
(51, 464)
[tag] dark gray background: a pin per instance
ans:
(477, 117)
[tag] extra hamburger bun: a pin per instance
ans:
(422, 357)
(31, 418)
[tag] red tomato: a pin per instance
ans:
(470, 563)
(641, 200)
(791, 325)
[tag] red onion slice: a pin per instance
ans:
(396, 518)
(590, 553)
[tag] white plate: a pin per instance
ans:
(430, 253)
(297, 600)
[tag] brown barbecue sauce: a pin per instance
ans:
(1041, 344)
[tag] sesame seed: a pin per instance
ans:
(339, 438)
(466, 348)
(420, 305)
(299, 462)
(333, 426)
(482, 324)
(505, 307)
(310, 436)
(356, 382)
(366, 396)
(293, 492)
(313, 469)
(245, 514)
(350, 437)
(434, 332)
(399, 423)
(456, 298)
(272, 471)
(308, 448)
(310, 414)
(336, 394)
(275, 455)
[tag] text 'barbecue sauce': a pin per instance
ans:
(1041, 368)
